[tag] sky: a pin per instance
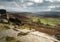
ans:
(30, 5)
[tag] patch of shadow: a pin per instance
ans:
(57, 36)
(15, 29)
(55, 41)
(22, 34)
(16, 21)
(11, 39)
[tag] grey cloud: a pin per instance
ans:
(18, 5)
(6, 0)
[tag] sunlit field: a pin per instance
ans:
(50, 21)
(46, 20)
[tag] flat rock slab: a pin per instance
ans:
(30, 37)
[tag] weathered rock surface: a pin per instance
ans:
(30, 37)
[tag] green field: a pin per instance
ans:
(45, 20)
(50, 21)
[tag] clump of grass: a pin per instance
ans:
(4, 26)
(9, 39)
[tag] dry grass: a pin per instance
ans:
(3, 27)
(9, 39)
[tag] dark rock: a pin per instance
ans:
(57, 36)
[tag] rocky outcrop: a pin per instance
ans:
(29, 37)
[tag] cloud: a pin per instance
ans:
(38, 1)
(2, 7)
(30, 5)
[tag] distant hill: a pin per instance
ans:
(45, 14)
(48, 12)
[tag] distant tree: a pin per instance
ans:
(39, 22)
(47, 25)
